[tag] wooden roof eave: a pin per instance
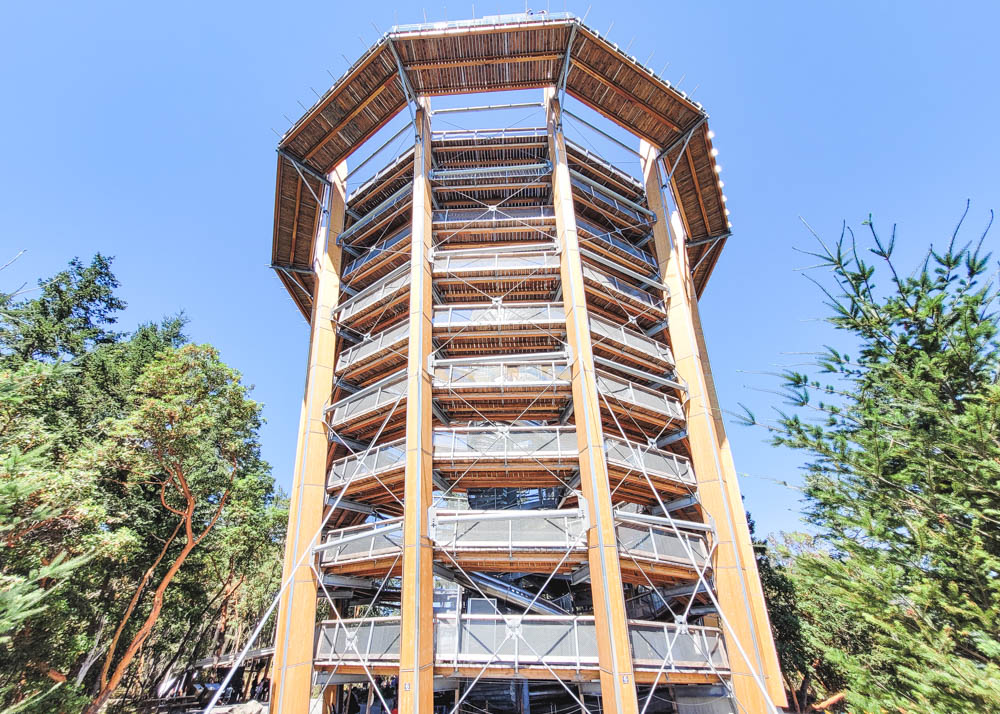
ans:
(645, 95)
(339, 87)
(302, 300)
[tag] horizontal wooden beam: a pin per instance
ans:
(478, 61)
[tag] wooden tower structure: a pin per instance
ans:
(513, 489)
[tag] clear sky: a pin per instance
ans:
(144, 131)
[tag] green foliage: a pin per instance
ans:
(68, 318)
(96, 426)
(901, 596)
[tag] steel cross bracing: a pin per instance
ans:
(504, 420)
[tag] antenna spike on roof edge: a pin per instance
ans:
(584, 19)
(609, 29)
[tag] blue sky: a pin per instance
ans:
(144, 131)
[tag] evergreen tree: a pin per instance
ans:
(903, 481)
(80, 406)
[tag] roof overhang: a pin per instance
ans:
(492, 54)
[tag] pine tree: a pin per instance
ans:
(903, 479)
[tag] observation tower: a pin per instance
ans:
(513, 490)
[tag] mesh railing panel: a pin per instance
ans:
(498, 262)
(557, 640)
(464, 216)
(630, 338)
(376, 639)
(621, 244)
(368, 400)
(373, 295)
(692, 647)
(519, 444)
(395, 337)
(387, 206)
(627, 391)
(385, 246)
(555, 532)
(598, 196)
(501, 374)
(661, 544)
(609, 282)
(532, 314)
(383, 458)
(643, 458)
(382, 538)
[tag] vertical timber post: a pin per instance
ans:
(737, 581)
(614, 649)
(294, 639)
(416, 658)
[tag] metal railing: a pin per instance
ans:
(380, 248)
(524, 641)
(501, 375)
(609, 282)
(599, 194)
(508, 531)
(393, 338)
(514, 444)
(364, 542)
(498, 214)
(661, 543)
(516, 171)
(366, 221)
(630, 339)
(396, 282)
(615, 242)
(646, 459)
(494, 262)
(371, 399)
(621, 389)
(387, 457)
(542, 315)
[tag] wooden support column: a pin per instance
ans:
(294, 640)
(416, 654)
(614, 649)
(331, 695)
(737, 582)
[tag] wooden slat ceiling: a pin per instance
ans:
(480, 56)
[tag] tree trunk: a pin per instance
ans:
(140, 637)
(93, 655)
(829, 702)
(147, 627)
(109, 658)
(158, 681)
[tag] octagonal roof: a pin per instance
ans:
(486, 55)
